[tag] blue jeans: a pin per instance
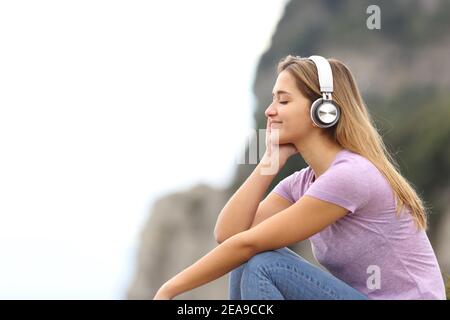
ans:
(284, 275)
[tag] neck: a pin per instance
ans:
(318, 153)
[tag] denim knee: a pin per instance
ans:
(236, 273)
(234, 286)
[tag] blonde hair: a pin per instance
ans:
(355, 130)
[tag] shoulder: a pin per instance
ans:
(351, 163)
(351, 168)
(360, 171)
(345, 182)
(350, 157)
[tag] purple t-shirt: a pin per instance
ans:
(370, 248)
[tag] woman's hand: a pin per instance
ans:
(163, 294)
(284, 152)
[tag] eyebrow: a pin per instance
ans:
(280, 92)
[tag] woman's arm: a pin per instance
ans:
(238, 213)
(225, 257)
(306, 217)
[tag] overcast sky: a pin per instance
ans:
(105, 106)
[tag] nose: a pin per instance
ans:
(270, 111)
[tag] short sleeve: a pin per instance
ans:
(343, 184)
(284, 188)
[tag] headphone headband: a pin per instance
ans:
(324, 73)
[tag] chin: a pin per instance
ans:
(284, 137)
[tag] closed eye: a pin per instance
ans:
(284, 102)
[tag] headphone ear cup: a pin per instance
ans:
(324, 113)
(313, 112)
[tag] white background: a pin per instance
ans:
(105, 106)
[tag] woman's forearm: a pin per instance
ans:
(238, 213)
(218, 262)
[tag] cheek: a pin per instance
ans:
(306, 113)
(297, 123)
(297, 127)
(300, 120)
(306, 118)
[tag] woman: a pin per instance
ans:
(365, 222)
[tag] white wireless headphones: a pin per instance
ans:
(324, 112)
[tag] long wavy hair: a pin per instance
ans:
(356, 130)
